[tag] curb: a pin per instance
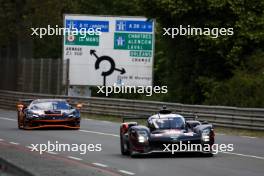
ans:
(9, 168)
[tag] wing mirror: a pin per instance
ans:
(79, 106)
(20, 107)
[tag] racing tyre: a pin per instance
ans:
(77, 127)
(25, 124)
(123, 146)
(20, 123)
(131, 152)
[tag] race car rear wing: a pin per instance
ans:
(187, 117)
(190, 117)
(25, 102)
(133, 118)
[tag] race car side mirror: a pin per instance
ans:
(20, 107)
(79, 106)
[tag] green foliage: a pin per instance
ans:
(244, 89)
(202, 69)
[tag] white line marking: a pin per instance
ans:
(53, 153)
(95, 132)
(105, 121)
(249, 156)
(75, 158)
(87, 119)
(1, 139)
(251, 137)
(99, 164)
(30, 147)
(126, 172)
(4, 118)
(14, 143)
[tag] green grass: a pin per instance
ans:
(223, 130)
(239, 132)
(101, 117)
(110, 118)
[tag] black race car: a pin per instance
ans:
(46, 113)
(166, 132)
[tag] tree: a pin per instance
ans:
(191, 59)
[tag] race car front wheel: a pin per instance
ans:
(123, 146)
(131, 152)
(20, 123)
(77, 127)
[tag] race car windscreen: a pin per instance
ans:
(169, 123)
(51, 105)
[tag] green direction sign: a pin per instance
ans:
(88, 40)
(132, 41)
(140, 53)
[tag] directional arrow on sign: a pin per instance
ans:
(122, 71)
(112, 65)
(93, 52)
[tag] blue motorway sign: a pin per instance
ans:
(134, 26)
(78, 24)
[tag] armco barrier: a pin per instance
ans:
(233, 117)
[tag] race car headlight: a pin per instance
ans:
(142, 137)
(206, 135)
(73, 114)
(32, 115)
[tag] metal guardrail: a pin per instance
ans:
(224, 116)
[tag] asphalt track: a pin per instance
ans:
(247, 159)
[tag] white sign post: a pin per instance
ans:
(122, 53)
